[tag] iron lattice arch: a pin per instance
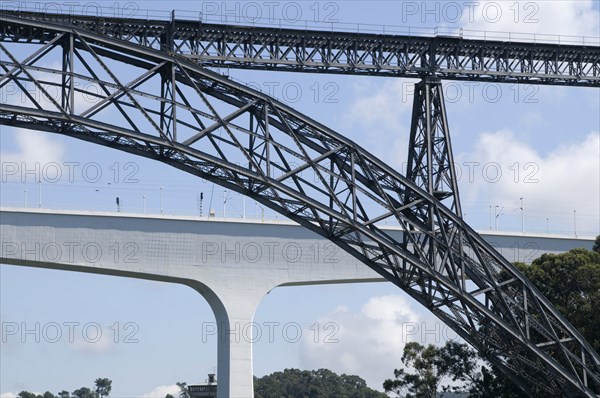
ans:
(161, 106)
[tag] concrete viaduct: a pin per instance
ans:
(233, 264)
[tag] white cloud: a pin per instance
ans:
(553, 185)
(569, 18)
(161, 391)
(93, 343)
(378, 117)
(33, 147)
(16, 395)
(369, 343)
(381, 104)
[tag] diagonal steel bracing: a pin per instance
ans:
(164, 107)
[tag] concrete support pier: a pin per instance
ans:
(234, 350)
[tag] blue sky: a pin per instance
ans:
(544, 140)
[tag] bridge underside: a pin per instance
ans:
(166, 107)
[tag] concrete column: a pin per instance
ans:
(234, 306)
(235, 347)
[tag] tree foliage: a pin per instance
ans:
(27, 394)
(493, 383)
(84, 392)
(183, 390)
(322, 383)
(430, 366)
(103, 387)
(456, 362)
(571, 281)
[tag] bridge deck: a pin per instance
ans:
(251, 47)
(514, 246)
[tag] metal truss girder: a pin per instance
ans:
(310, 174)
(249, 47)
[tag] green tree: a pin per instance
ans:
(422, 384)
(492, 383)
(322, 383)
(27, 394)
(454, 361)
(103, 387)
(84, 392)
(169, 396)
(183, 390)
(596, 247)
(430, 365)
(571, 281)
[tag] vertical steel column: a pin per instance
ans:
(430, 159)
(431, 167)
(168, 108)
(68, 85)
(168, 87)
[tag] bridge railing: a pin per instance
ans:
(131, 10)
(257, 214)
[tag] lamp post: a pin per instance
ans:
(498, 214)
(522, 216)
(201, 199)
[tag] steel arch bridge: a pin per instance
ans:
(125, 84)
